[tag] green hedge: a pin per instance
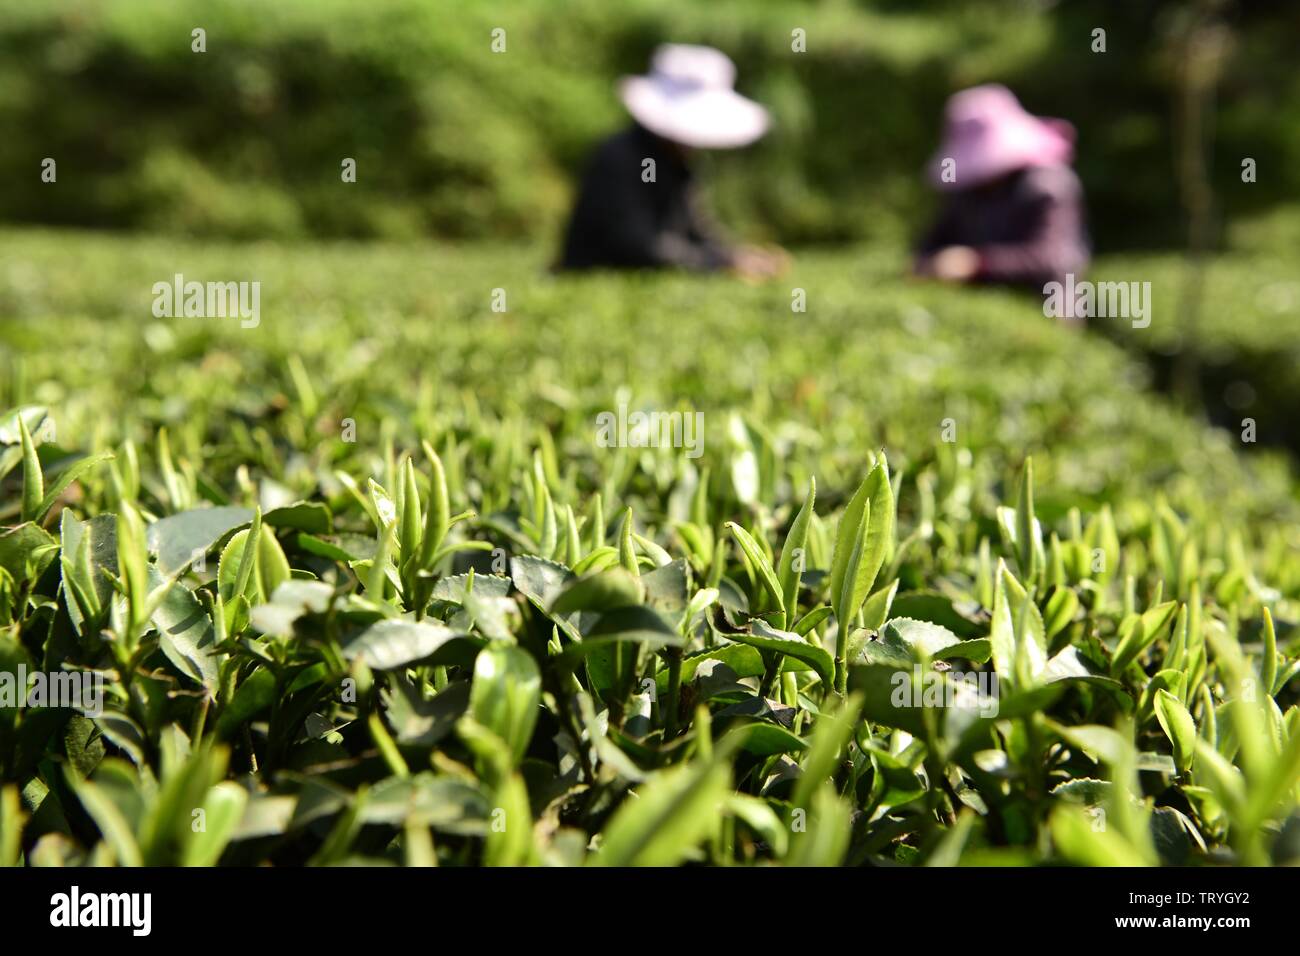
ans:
(1237, 353)
(874, 361)
(454, 140)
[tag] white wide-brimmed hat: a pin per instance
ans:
(688, 97)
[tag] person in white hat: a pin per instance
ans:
(636, 205)
(1013, 211)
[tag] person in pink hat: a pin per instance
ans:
(1013, 209)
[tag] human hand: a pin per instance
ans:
(754, 263)
(954, 263)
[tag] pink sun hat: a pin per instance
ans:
(987, 134)
(688, 97)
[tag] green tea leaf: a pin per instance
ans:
(179, 538)
(831, 735)
(663, 821)
(33, 480)
(70, 474)
(759, 562)
(768, 638)
(390, 644)
(794, 556)
(1178, 726)
(866, 526)
(185, 633)
(599, 592)
(223, 808)
(256, 692)
(506, 694)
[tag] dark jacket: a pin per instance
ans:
(1028, 228)
(621, 221)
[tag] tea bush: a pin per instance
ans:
(1239, 355)
(939, 581)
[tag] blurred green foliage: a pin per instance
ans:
(403, 336)
(451, 139)
(1237, 354)
(1148, 669)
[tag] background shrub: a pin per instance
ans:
(456, 141)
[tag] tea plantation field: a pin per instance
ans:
(936, 581)
(1241, 351)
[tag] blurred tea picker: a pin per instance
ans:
(636, 205)
(1013, 207)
